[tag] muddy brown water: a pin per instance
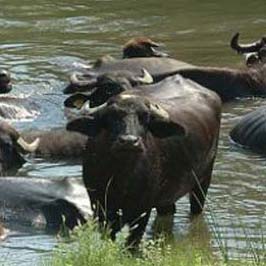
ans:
(41, 42)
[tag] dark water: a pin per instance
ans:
(41, 41)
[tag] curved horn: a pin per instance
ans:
(245, 48)
(14, 134)
(30, 147)
(146, 78)
(74, 79)
(86, 109)
(159, 111)
(77, 85)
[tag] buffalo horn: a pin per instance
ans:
(30, 147)
(146, 78)
(91, 110)
(159, 111)
(76, 81)
(246, 48)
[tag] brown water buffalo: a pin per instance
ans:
(11, 143)
(142, 47)
(135, 47)
(250, 131)
(147, 148)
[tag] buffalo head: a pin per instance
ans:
(142, 47)
(5, 81)
(255, 53)
(11, 143)
(106, 86)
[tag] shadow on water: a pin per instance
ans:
(40, 42)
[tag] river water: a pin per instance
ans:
(42, 41)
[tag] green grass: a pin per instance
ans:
(86, 246)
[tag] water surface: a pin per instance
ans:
(40, 43)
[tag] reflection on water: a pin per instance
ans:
(40, 43)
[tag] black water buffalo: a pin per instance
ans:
(106, 86)
(154, 65)
(5, 81)
(147, 148)
(11, 144)
(30, 200)
(250, 131)
(55, 143)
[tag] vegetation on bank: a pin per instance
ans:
(86, 246)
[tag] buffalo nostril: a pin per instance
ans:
(128, 139)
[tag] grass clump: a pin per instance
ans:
(87, 246)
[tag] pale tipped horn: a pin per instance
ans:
(159, 111)
(86, 109)
(30, 147)
(75, 80)
(146, 78)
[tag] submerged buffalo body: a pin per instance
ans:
(147, 148)
(250, 131)
(57, 143)
(26, 199)
(52, 144)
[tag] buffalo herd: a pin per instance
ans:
(145, 129)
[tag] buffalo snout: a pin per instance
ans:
(128, 142)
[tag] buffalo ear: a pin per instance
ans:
(84, 125)
(76, 101)
(163, 129)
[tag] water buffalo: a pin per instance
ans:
(11, 143)
(154, 65)
(147, 148)
(228, 83)
(5, 81)
(31, 200)
(142, 47)
(250, 131)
